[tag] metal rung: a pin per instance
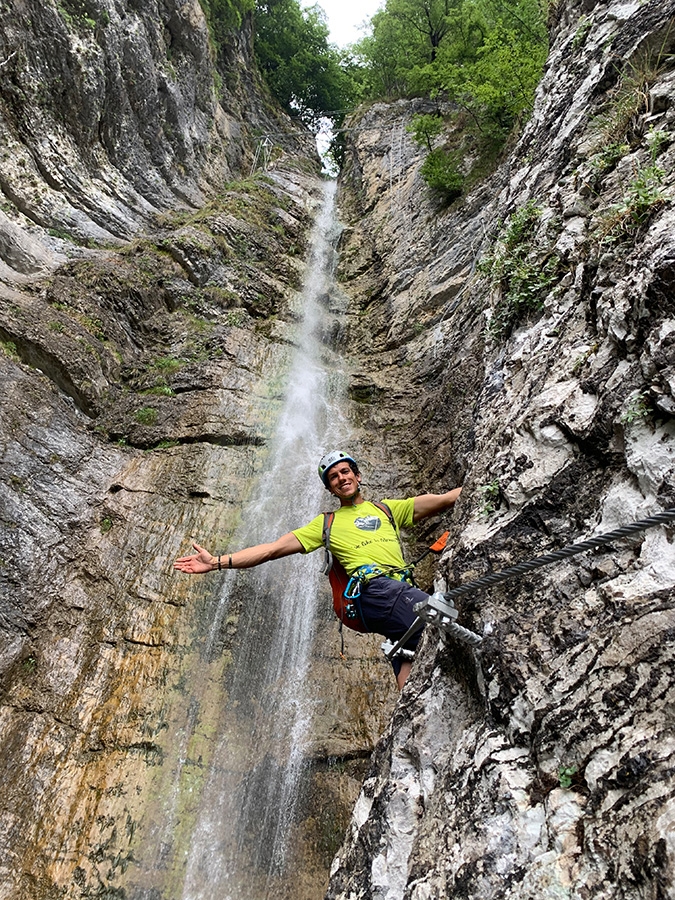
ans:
(388, 647)
(435, 610)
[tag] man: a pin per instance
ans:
(363, 540)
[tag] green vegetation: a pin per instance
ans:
(76, 14)
(30, 664)
(441, 169)
(424, 128)
(484, 56)
(306, 74)
(630, 99)
(490, 496)
(224, 16)
(106, 525)
(642, 198)
(9, 349)
(637, 408)
(167, 365)
(441, 172)
(147, 415)
(522, 270)
(566, 775)
(162, 390)
(236, 318)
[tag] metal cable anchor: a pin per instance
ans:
(435, 610)
(443, 613)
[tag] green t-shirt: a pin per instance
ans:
(361, 534)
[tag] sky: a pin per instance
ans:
(344, 17)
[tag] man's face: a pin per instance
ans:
(342, 481)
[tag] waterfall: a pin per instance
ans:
(240, 843)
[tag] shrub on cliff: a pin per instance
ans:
(224, 16)
(440, 169)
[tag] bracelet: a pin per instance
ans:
(219, 566)
(229, 563)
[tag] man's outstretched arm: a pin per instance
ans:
(202, 561)
(431, 504)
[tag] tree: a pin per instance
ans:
(485, 55)
(304, 72)
(405, 38)
(430, 19)
(497, 86)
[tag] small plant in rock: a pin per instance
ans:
(657, 140)
(147, 415)
(566, 775)
(604, 161)
(29, 665)
(160, 389)
(644, 196)
(583, 29)
(638, 407)
(9, 349)
(630, 99)
(106, 525)
(490, 497)
(522, 271)
(235, 318)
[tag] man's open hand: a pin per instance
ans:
(197, 564)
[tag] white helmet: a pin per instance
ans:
(329, 460)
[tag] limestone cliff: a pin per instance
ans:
(543, 766)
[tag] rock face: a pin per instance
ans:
(112, 112)
(541, 767)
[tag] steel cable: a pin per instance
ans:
(475, 640)
(572, 550)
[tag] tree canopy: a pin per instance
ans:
(304, 71)
(485, 55)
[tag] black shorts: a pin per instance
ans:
(387, 609)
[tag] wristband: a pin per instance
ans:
(219, 566)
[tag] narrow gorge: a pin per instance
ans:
(191, 313)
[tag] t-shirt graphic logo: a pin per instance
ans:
(368, 523)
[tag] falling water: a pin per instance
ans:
(240, 843)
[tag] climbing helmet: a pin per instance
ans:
(330, 459)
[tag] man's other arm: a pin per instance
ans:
(431, 504)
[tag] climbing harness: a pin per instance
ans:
(439, 609)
